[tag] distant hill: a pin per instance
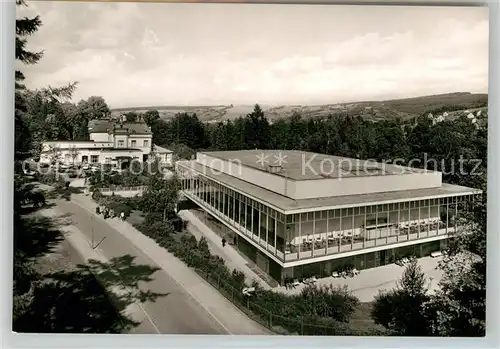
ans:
(406, 108)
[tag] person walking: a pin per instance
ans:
(122, 215)
(223, 242)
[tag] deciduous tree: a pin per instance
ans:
(403, 310)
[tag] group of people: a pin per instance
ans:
(109, 213)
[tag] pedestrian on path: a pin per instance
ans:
(122, 215)
(234, 240)
(223, 242)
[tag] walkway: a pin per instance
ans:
(367, 284)
(201, 307)
(232, 257)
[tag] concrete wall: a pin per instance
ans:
(317, 188)
(364, 185)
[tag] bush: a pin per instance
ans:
(97, 195)
(49, 178)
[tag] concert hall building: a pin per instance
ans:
(297, 214)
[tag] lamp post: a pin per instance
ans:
(92, 235)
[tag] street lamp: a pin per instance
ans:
(92, 234)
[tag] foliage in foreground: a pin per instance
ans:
(458, 307)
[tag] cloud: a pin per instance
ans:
(153, 54)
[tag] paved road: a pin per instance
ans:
(175, 313)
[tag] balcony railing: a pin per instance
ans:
(336, 242)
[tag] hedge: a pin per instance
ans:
(301, 314)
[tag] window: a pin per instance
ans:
(133, 143)
(120, 143)
(94, 158)
(146, 143)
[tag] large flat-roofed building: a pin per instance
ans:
(299, 214)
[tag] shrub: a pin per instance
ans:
(97, 195)
(238, 279)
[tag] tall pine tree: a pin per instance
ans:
(25, 27)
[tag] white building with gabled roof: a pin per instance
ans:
(110, 142)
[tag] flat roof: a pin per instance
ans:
(300, 165)
(283, 203)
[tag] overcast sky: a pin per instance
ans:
(140, 54)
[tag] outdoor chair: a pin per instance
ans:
(335, 274)
(436, 254)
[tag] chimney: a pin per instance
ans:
(274, 168)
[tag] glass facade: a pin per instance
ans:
(289, 237)
(362, 261)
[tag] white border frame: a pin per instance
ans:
(7, 31)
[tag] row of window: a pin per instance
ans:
(205, 185)
(133, 143)
(394, 207)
